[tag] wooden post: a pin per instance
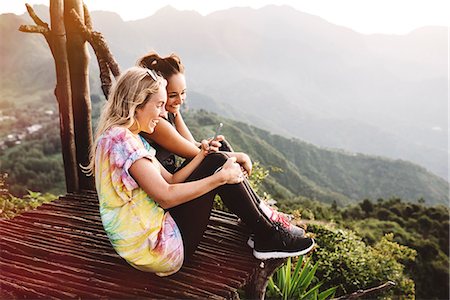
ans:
(63, 94)
(78, 58)
(256, 288)
(56, 41)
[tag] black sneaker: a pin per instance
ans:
(281, 244)
(295, 230)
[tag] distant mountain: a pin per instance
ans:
(285, 71)
(300, 168)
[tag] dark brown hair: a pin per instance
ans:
(166, 66)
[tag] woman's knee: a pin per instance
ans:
(208, 166)
(216, 158)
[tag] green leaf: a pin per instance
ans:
(327, 293)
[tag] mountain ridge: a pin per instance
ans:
(319, 82)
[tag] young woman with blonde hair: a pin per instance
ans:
(155, 219)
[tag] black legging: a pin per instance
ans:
(192, 217)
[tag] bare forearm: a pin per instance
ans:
(169, 138)
(183, 129)
(153, 180)
(184, 173)
(180, 193)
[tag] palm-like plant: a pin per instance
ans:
(294, 283)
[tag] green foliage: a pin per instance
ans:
(310, 210)
(37, 173)
(344, 260)
(420, 227)
(4, 188)
(292, 281)
(259, 174)
(11, 206)
(35, 164)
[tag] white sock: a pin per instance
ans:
(265, 209)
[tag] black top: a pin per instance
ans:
(164, 156)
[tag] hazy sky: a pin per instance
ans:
(365, 16)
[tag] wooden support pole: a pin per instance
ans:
(78, 57)
(256, 288)
(63, 95)
(56, 40)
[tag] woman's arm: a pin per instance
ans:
(149, 178)
(183, 174)
(242, 159)
(169, 138)
(184, 130)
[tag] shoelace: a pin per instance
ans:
(280, 218)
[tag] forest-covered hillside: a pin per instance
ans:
(299, 168)
(33, 161)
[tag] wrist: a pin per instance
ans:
(202, 153)
(221, 178)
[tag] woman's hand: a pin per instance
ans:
(245, 162)
(209, 146)
(215, 143)
(232, 171)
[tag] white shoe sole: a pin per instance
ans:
(279, 254)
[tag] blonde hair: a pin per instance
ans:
(131, 91)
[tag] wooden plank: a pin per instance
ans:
(61, 250)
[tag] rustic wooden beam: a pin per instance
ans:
(78, 58)
(63, 94)
(56, 41)
(256, 288)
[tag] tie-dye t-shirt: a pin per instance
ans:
(140, 231)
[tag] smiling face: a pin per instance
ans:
(149, 115)
(176, 92)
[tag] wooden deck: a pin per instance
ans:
(60, 250)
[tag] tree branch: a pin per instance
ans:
(40, 27)
(363, 293)
(87, 17)
(105, 59)
(35, 18)
(34, 29)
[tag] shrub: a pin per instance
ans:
(10, 206)
(344, 260)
